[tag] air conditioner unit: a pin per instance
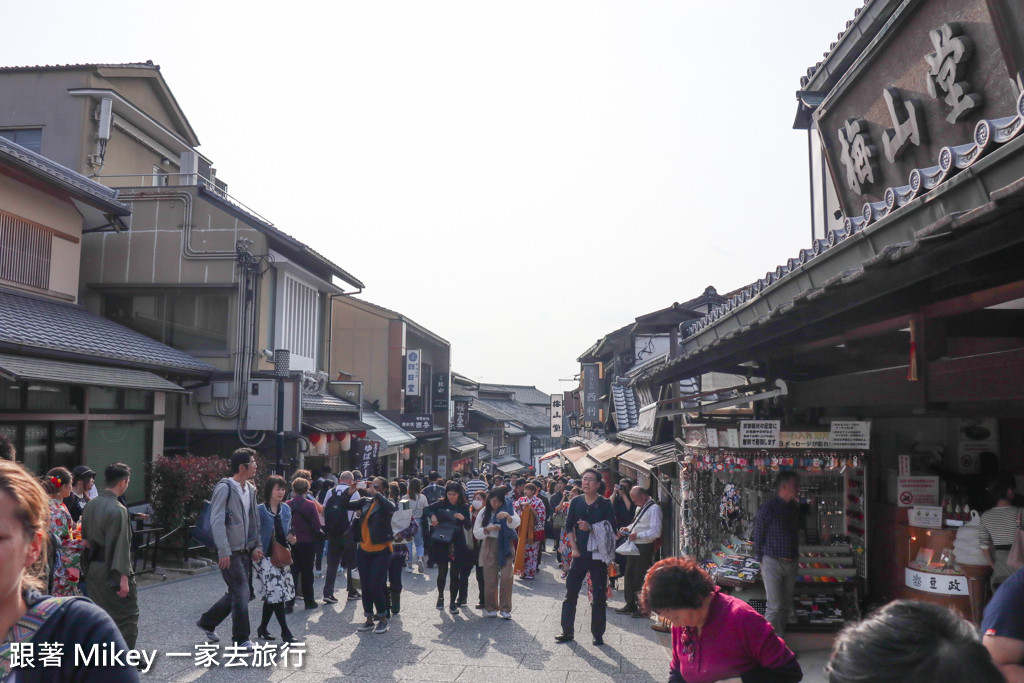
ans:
(261, 412)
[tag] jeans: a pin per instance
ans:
(373, 573)
(302, 569)
(598, 571)
(418, 542)
(779, 578)
(335, 553)
(636, 570)
(238, 577)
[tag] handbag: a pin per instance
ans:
(280, 555)
(443, 533)
(558, 520)
(1015, 560)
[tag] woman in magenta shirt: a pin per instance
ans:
(715, 637)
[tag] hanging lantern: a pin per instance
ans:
(345, 439)
(314, 438)
(330, 437)
(361, 434)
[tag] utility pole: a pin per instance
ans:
(282, 362)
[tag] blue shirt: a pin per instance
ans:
(775, 530)
(1003, 615)
(601, 510)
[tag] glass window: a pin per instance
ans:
(136, 401)
(128, 442)
(10, 396)
(41, 446)
(103, 399)
(189, 321)
(53, 398)
(34, 445)
(29, 138)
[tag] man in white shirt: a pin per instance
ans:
(644, 531)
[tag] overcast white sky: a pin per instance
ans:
(521, 178)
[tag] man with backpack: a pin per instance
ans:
(338, 523)
(235, 523)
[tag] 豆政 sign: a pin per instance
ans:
(940, 584)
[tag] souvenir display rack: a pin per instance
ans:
(722, 491)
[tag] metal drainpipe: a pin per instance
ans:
(186, 232)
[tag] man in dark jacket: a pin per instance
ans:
(373, 556)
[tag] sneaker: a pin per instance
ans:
(453, 608)
(211, 636)
(382, 626)
(330, 600)
(490, 614)
(355, 595)
(245, 645)
(505, 615)
(368, 625)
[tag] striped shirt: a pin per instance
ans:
(474, 485)
(999, 526)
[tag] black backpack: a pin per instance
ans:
(336, 514)
(433, 493)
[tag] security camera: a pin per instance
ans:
(268, 355)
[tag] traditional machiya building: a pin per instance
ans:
(196, 269)
(75, 388)
(885, 359)
(404, 369)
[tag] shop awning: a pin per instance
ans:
(663, 454)
(585, 463)
(510, 467)
(462, 444)
(574, 454)
(607, 450)
(336, 424)
(638, 458)
(387, 432)
(549, 455)
(513, 430)
(26, 369)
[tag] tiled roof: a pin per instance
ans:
(335, 424)
(77, 183)
(26, 368)
(149, 65)
(33, 324)
(461, 443)
(521, 392)
(387, 431)
(530, 416)
(839, 39)
(324, 402)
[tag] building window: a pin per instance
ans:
(128, 442)
(25, 258)
(189, 321)
(29, 138)
(299, 319)
(41, 446)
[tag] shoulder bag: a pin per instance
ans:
(628, 547)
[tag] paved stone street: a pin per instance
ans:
(423, 644)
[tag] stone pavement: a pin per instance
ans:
(424, 644)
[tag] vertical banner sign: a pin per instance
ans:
(440, 404)
(412, 372)
(460, 419)
(591, 386)
(370, 451)
(556, 416)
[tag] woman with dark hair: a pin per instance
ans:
(714, 636)
(476, 508)
(68, 569)
(495, 528)
(274, 585)
(911, 642)
(305, 525)
(30, 616)
(449, 519)
(999, 526)
(625, 510)
(404, 526)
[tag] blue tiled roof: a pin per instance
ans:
(32, 324)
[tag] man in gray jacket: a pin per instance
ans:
(235, 522)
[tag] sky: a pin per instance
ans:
(520, 178)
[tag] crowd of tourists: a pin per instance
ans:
(62, 540)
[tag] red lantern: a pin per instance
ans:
(361, 435)
(330, 437)
(314, 438)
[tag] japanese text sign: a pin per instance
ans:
(557, 413)
(413, 362)
(759, 433)
(850, 434)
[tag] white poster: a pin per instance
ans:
(759, 433)
(911, 491)
(412, 372)
(556, 416)
(851, 434)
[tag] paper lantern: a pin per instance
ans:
(361, 435)
(330, 437)
(345, 439)
(314, 438)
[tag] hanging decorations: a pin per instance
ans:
(345, 440)
(751, 460)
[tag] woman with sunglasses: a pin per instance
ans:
(449, 518)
